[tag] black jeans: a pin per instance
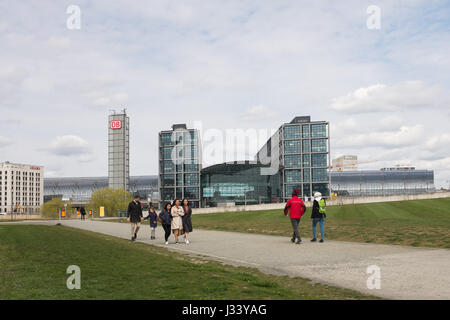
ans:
(167, 230)
(296, 234)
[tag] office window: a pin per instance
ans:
(305, 130)
(288, 188)
(319, 145)
(306, 160)
(166, 139)
(319, 174)
(292, 161)
(319, 159)
(292, 146)
(191, 179)
(292, 176)
(167, 152)
(191, 193)
(306, 175)
(292, 132)
(318, 130)
(191, 167)
(306, 146)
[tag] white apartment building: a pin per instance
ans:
(21, 188)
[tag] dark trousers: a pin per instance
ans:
(295, 223)
(167, 231)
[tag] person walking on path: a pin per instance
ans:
(153, 217)
(83, 213)
(134, 215)
(318, 215)
(177, 222)
(166, 220)
(296, 208)
(187, 221)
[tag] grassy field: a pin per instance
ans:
(34, 259)
(415, 223)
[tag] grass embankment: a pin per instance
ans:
(415, 223)
(34, 259)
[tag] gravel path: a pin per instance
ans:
(405, 272)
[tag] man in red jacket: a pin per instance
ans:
(296, 208)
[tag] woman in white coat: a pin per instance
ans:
(177, 223)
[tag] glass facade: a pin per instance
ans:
(238, 184)
(118, 151)
(305, 149)
(381, 183)
(180, 165)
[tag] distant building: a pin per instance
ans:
(81, 189)
(302, 148)
(119, 151)
(345, 163)
(21, 188)
(382, 182)
(180, 164)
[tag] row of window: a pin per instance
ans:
(299, 146)
(186, 166)
(179, 137)
(306, 160)
(306, 189)
(180, 193)
(188, 179)
(24, 173)
(187, 152)
(306, 175)
(305, 131)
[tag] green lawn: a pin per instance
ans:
(34, 259)
(416, 223)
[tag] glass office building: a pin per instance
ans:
(238, 184)
(119, 151)
(382, 182)
(302, 149)
(180, 164)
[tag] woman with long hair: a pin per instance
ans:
(187, 221)
(166, 218)
(177, 222)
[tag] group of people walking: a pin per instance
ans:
(297, 208)
(175, 218)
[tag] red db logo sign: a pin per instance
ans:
(116, 124)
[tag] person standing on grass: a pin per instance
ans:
(318, 215)
(187, 221)
(177, 222)
(296, 208)
(83, 213)
(134, 215)
(166, 220)
(153, 217)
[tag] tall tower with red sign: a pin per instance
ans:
(119, 150)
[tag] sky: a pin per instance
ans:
(226, 65)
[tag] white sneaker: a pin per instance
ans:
(187, 241)
(167, 242)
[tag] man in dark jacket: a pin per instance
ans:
(83, 213)
(318, 215)
(134, 215)
(296, 208)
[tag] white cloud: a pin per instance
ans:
(404, 136)
(68, 146)
(380, 98)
